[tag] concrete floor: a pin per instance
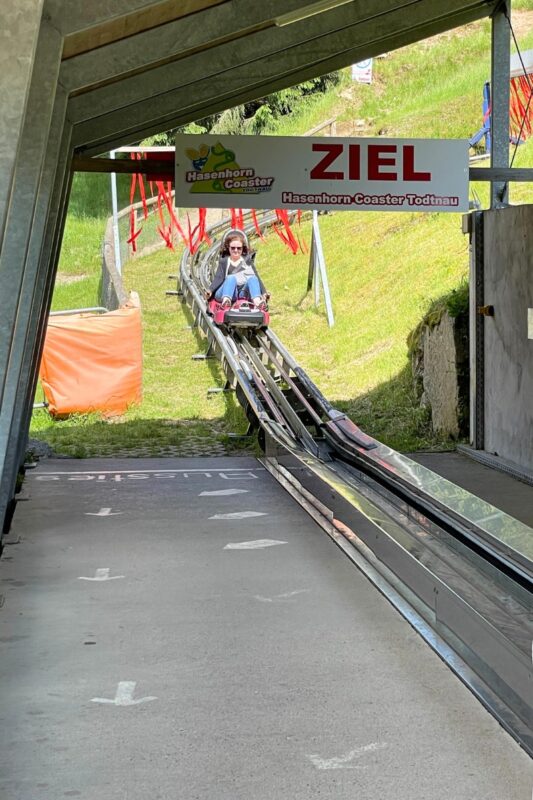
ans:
(262, 673)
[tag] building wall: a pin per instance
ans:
(508, 270)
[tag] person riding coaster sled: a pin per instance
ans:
(236, 277)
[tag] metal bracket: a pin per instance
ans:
(221, 389)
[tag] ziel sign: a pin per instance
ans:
(321, 173)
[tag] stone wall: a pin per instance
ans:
(440, 369)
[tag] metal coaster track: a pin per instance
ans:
(458, 569)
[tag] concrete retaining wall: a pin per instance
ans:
(440, 369)
(508, 352)
(445, 362)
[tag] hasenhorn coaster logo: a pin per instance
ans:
(215, 171)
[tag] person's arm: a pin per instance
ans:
(218, 280)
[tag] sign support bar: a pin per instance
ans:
(317, 270)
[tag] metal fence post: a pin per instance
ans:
(320, 271)
(114, 202)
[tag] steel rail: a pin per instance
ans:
(295, 423)
(448, 504)
(291, 384)
(396, 520)
(478, 625)
(228, 354)
(441, 500)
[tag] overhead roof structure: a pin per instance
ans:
(162, 64)
(86, 76)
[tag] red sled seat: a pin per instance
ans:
(241, 314)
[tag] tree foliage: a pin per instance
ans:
(255, 117)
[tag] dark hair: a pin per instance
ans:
(224, 250)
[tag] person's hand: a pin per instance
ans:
(207, 294)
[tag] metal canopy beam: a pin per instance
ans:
(170, 42)
(86, 25)
(379, 31)
(165, 105)
(235, 22)
(124, 166)
(501, 174)
(165, 169)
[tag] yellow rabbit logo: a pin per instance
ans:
(198, 157)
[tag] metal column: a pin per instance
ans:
(477, 332)
(18, 40)
(22, 287)
(500, 78)
(58, 161)
(499, 152)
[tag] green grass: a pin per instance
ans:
(176, 416)
(384, 270)
(429, 89)
(80, 263)
(432, 88)
(91, 194)
(361, 363)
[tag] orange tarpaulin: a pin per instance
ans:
(93, 362)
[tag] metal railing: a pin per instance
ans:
(430, 547)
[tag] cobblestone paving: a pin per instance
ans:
(192, 446)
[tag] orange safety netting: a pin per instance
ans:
(93, 362)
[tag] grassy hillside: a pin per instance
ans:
(384, 270)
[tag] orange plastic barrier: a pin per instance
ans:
(93, 362)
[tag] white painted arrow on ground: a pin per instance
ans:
(222, 492)
(255, 545)
(344, 762)
(284, 596)
(104, 512)
(102, 574)
(239, 515)
(124, 696)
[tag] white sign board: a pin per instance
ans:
(366, 174)
(362, 71)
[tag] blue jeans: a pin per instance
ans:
(230, 289)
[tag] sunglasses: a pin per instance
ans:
(232, 247)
